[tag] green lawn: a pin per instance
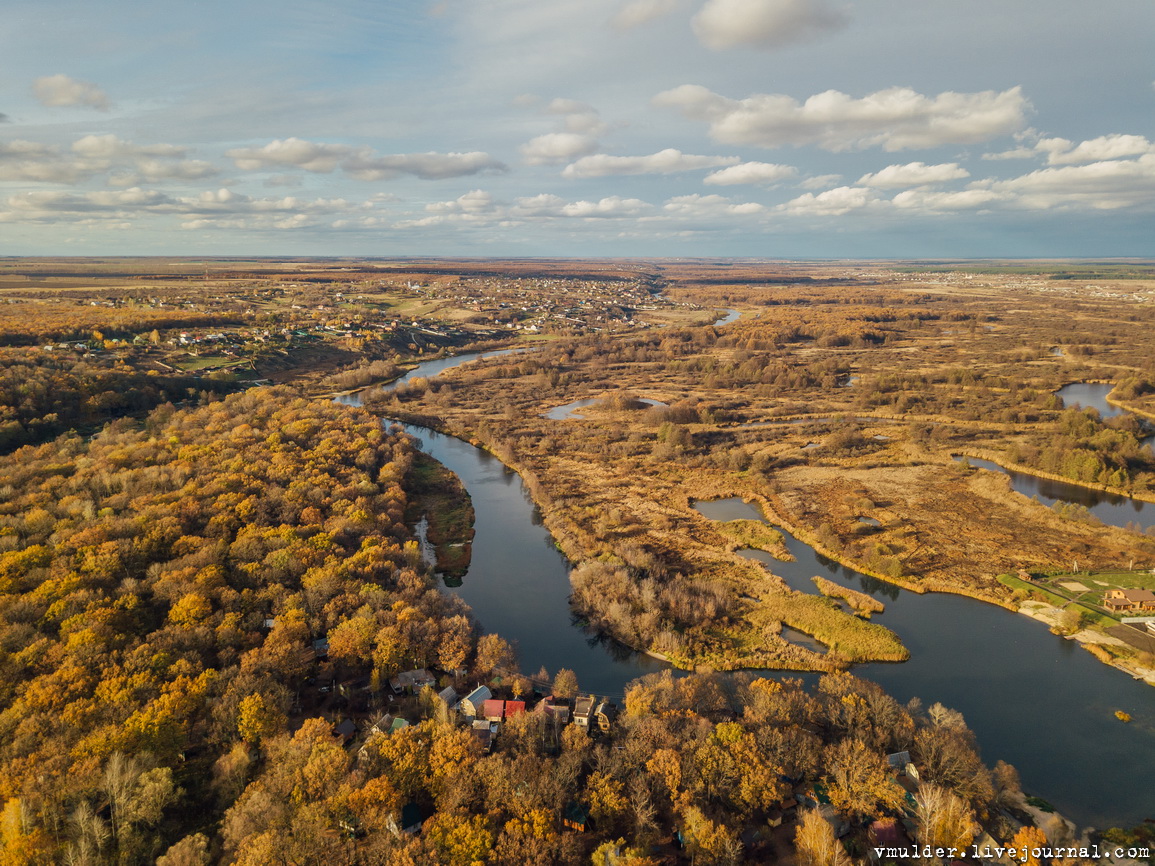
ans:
(1089, 602)
(1120, 580)
(200, 363)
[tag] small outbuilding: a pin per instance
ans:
(577, 817)
(345, 730)
(485, 733)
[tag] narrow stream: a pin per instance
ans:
(1112, 509)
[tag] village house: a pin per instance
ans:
(901, 763)
(577, 817)
(473, 703)
(485, 732)
(604, 715)
(411, 820)
(411, 681)
(388, 724)
(583, 711)
(559, 712)
(493, 710)
(1129, 599)
(496, 710)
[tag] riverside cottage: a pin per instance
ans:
(1129, 599)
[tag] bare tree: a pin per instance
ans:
(816, 843)
(944, 819)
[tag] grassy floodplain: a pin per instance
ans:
(841, 394)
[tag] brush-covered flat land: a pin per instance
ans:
(839, 402)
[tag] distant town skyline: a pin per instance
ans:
(625, 128)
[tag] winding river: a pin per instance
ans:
(1033, 699)
(518, 581)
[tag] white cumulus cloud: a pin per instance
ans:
(475, 201)
(703, 206)
(751, 173)
(668, 161)
(579, 116)
(943, 202)
(557, 147)
(610, 207)
(764, 23)
(92, 155)
(1060, 151)
(110, 147)
(913, 174)
(32, 161)
(821, 181)
(895, 119)
(295, 152)
(833, 202)
(365, 165)
(1106, 185)
(61, 91)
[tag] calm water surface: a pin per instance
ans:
(1110, 508)
(731, 316)
(1032, 698)
(1094, 395)
(518, 581)
(1088, 395)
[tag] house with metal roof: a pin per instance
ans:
(474, 703)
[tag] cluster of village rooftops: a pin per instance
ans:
(484, 712)
(487, 713)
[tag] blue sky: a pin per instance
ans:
(777, 128)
